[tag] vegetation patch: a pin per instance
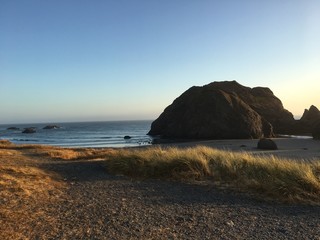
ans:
(78, 153)
(285, 180)
(282, 179)
(22, 189)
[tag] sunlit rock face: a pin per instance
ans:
(222, 110)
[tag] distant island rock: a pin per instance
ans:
(51, 127)
(13, 128)
(127, 137)
(29, 130)
(223, 110)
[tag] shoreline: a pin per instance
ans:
(302, 149)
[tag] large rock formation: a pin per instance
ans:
(222, 110)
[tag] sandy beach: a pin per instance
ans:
(292, 148)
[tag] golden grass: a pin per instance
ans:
(78, 153)
(5, 143)
(27, 182)
(281, 179)
(22, 189)
(56, 152)
(26, 190)
(285, 180)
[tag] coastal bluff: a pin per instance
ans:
(223, 110)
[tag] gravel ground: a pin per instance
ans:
(102, 206)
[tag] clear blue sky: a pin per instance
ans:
(75, 60)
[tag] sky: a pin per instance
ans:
(100, 60)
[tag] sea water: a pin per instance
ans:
(82, 134)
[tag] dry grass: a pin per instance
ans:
(78, 153)
(57, 152)
(5, 143)
(284, 180)
(22, 189)
(26, 190)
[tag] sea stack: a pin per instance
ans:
(29, 130)
(51, 127)
(223, 110)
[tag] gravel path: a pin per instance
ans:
(102, 206)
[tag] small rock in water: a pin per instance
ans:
(127, 137)
(51, 127)
(29, 130)
(13, 128)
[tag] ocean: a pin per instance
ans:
(82, 134)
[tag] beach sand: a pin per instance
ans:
(293, 148)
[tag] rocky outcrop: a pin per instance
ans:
(51, 127)
(29, 130)
(311, 116)
(269, 106)
(214, 114)
(222, 110)
(13, 128)
(306, 124)
(262, 100)
(267, 144)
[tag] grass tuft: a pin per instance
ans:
(285, 180)
(77, 153)
(159, 163)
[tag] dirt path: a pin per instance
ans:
(101, 206)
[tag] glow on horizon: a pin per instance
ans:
(121, 60)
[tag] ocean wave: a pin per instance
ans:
(25, 140)
(94, 134)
